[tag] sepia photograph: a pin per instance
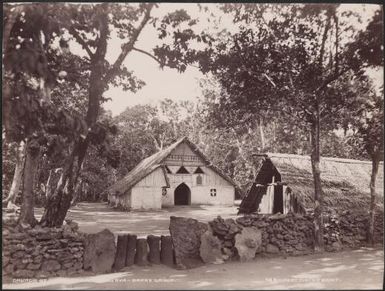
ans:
(192, 146)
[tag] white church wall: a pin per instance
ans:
(146, 198)
(224, 195)
(200, 193)
(147, 193)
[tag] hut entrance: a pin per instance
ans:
(278, 199)
(182, 195)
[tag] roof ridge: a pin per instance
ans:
(307, 157)
(148, 164)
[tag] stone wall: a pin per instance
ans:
(349, 230)
(291, 234)
(249, 235)
(47, 252)
(41, 252)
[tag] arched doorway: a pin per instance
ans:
(182, 195)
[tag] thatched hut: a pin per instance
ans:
(284, 183)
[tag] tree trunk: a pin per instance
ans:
(16, 182)
(31, 163)
(6, 100)
(59, 203)
(375, 164)
(318, 195)
(262, 134)
(48, 188)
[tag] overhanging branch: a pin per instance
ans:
(147, 54)
(128, 46)
(331, 79)
(81, 41)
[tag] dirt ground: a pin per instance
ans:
(357, 269)
(94, 217)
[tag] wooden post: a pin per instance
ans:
(154, 254)
(271, 193)
(131, 247)
(166, 251)
(141, 252)
(285, 199)
(121, 249)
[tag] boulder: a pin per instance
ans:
(245, 221)
(272, 249)
(219, 226)
(277, 216)
(247, 243)
(74, 226)
(210, 248)
(50, 266)
(33, 266)
(99, 252)
(23, 274)
(186, 234)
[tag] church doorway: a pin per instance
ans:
(182, 195)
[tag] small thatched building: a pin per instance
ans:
(178, 175)
(284, 183)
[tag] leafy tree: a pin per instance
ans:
(90, 25)
(289, 64)
(367, 120)
(28, 114)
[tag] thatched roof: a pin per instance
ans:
(150, 164)
(345, 182)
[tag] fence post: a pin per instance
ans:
(154, 254)
(121, 249)
(166, 251)
(131, 247)
(141, 252)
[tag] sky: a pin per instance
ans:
(168, 83)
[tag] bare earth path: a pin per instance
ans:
(94, 217)
(358, 269)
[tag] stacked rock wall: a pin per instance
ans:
(252, 234)
(41, 252)
(290, 234)
(46, 252)
(349, 230)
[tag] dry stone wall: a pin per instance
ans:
(41, 252)
(291, 234)
(46, 252)
(349, 229)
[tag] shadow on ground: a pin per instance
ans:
(358, 269)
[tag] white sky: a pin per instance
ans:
(168, 83)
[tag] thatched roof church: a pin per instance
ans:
(284, 182)
(180, 174)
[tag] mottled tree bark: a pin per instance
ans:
(17, 176)
(372, 212)
(318, 197)
(31, 161)
(262, 133)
